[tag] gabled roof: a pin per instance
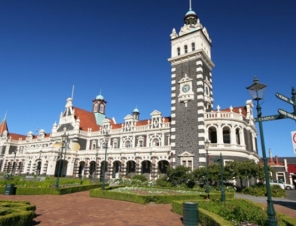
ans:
(87, 119)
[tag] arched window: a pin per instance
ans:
(102, 108)
(212, 135)
(178, 51)
(226, 135)
(96, 107)
(155, 142)
(237, 135)
(193, 46)
(128, 144)
(185, 49)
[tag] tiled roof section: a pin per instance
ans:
(87, 119)
(236, 110)
(15, 136)
(142, 122)
(115, 126)
(3, 126)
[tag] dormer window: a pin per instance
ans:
(185, 49)
(193, 46)
(178, 51)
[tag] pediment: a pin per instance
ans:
(155, 113)
(128, 117)
(106, 121)
(186, 154)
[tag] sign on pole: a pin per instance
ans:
(287, 114)
(293, 134)
(284, 98)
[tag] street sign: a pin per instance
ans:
(293, 134)
(268, 118)
(284, 98)
(287, 114)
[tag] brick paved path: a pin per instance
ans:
(79, 209)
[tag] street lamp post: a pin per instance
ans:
(13, 165)
(63, 147)
(39, 163)
(207, 144)
(222, 177)
(107, 136)
(257, 91)
(95, 171)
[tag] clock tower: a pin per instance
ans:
(191, 90)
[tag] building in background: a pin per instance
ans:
(139, 146)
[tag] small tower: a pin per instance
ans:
(99, 109)
(136, 114)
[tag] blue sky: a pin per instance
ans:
(122, 47)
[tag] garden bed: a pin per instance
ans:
(145, 195)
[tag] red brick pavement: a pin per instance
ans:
(80, 209)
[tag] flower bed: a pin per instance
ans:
(153, 191)
(145, 195)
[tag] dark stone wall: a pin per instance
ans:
(186, 118)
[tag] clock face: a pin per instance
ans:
(185, 88)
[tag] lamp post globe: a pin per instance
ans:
(257, 91)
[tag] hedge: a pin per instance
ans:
(16, 213)
(208, 217)
(51, 191)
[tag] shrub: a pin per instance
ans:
(140, 178)
(163, 182)
(260, 190)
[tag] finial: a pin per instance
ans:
(190, 5)
(5, 116)
(72, 96)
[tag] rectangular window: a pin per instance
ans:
(190, 164)
(185, 49)
(178, 51)
(281, 177)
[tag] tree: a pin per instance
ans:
(180, 175)
(244, 170)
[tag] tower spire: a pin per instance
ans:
(190, 17)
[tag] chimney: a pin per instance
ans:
(276, 160)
